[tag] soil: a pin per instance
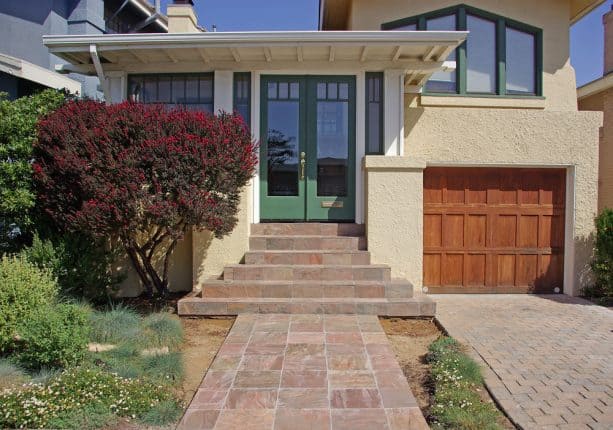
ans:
(410, 339)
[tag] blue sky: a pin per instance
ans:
(253, 15)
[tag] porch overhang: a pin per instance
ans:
(25, 70)
(417, 53)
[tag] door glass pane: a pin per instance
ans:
(332, 148)
(283, 147)
(480, 55)
(442, 82)
(283, 90)
(520, 62)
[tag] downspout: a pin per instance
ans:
(93, 51)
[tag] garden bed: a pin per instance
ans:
(414, 341)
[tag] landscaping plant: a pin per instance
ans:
(143, 174)
(456, 377)
(602, 265)
(18, 120)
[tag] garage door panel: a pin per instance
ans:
(528, 231)
(494, 229)
(453, 231)
(452, 268)
(475, 269)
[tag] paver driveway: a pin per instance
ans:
(551, 357)
(298, 372)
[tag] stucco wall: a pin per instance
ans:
(394, 214)
(514, 137)
(550, 15)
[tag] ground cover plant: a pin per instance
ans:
(143, 175)
(455, 378)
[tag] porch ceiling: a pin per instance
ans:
(418, 53)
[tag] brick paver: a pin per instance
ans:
(304, 372)
(549, 358)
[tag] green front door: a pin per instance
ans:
(307, 157)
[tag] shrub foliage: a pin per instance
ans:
(24, 289)
(143, 174)
(602, 265)
(18, 120)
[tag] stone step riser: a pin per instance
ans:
(306, 243)
(308, 229)
(246, 290)
(409, 308)
(307, 257)
(306, 273)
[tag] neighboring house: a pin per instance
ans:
(25, 63)
(451, 131)
(598, 96)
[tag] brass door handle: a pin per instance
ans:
(302, 164)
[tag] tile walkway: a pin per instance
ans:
(550, 358)
(304, 372)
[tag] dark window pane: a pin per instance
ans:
(283, 90)
(242, 96)
(520, 64)
(332, 148)
(321, 91)
(150, 90)
(408, 27)
(282, 147)
(178, 90)
(343, 91)
(332, 91)
(272, 90)
(191, 90)
(294, 90)
(480, 55)
(442, 81)
(206, 89)
(374, 113)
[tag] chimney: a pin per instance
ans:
(182, 17)
(607, 20)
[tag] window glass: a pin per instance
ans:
(408, 27)
(442, 82)
(480, 55)
(242, 96)
(374, 113)
(520, 62)
(195, 92)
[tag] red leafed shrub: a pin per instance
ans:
(143, 174)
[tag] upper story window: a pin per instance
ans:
(194, 91)
(500, 57)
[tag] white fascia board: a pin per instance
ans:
(595, 86)
(25, 70)
(68, 43)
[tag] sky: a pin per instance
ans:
(253, 15)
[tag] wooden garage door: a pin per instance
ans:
(493, 229)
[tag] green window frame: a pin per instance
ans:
(374, 102)
(241, 95)
(195, 91)
(502, 24)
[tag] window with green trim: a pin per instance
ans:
(193, 90)
(374, 113)
(500, 57)
(242, 95)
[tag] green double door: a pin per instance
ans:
(307, 145)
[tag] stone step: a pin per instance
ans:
(414, 307)
(395, 289)
(307, 257)
(306, 243)
(307, 229)
(303, 272)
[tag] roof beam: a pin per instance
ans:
(363, 54)
(171, 56)
(93, 52)
(429, 53)
(139, 57)
(397, 53)
(268, 54)
(331, 54)
(205, 57)
(235, 55)
(445, 53)
(299, 54)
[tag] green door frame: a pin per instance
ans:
(307, 205)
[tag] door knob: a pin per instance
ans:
(302, 164)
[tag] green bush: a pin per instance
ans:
(118, 324)
(24, 289)
(164, 368)
(53, 336)
(455, 377)
(82, 265)
(38, 405)
(602, 265)
(90, 416)
(163, 413)
(18, 119)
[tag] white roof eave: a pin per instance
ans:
(25, 70)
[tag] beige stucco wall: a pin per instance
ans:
(550, 15)
(515, 137)
(210, 255)
(603, 102)
(394, 214)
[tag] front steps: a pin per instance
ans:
(320, 268)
